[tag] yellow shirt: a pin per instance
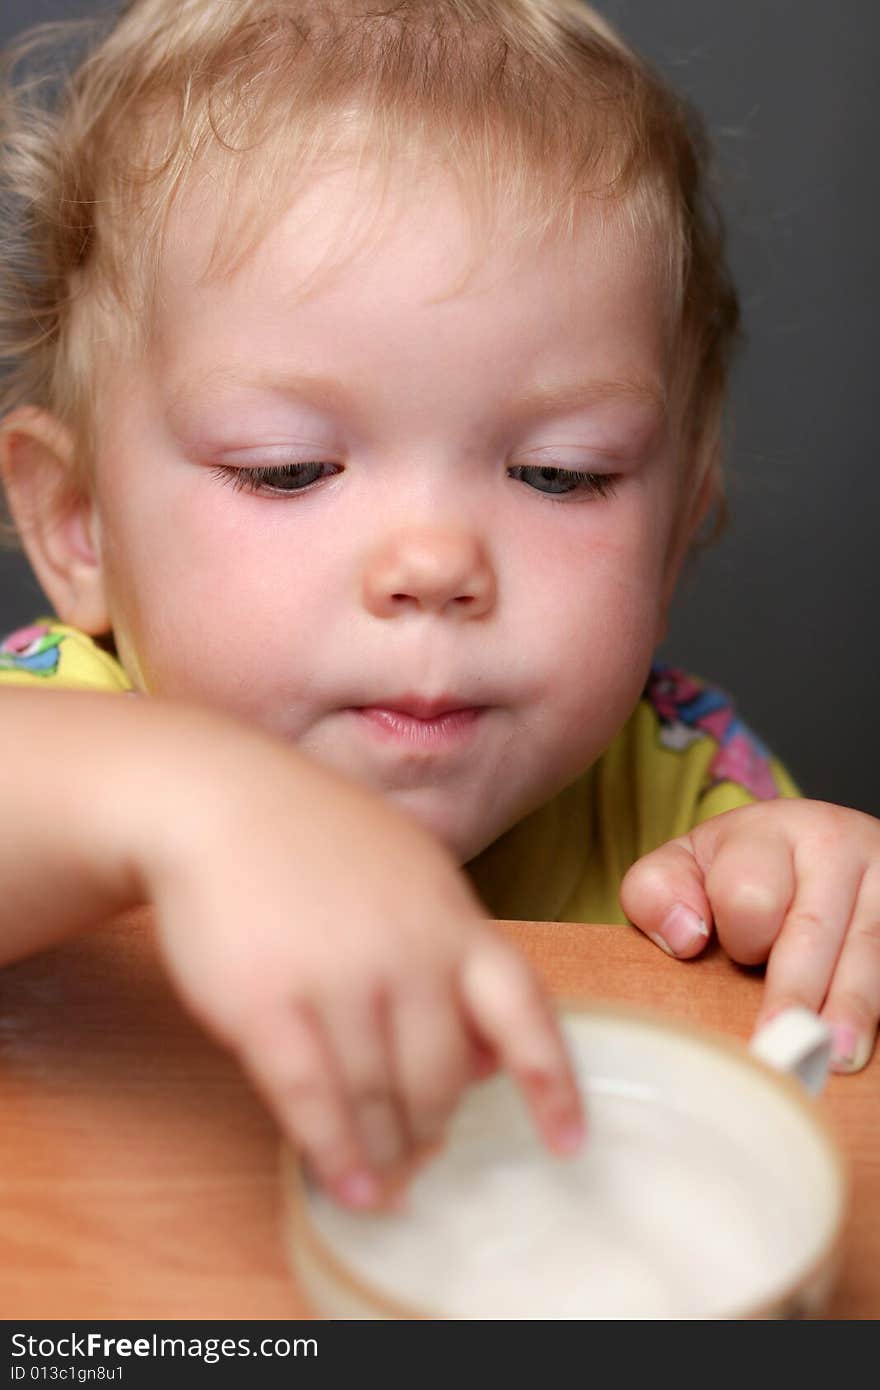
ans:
(50, 654)
(682, 757)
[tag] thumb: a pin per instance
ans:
(663, 895)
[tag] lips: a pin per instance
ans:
(418, 724)
(415, 707)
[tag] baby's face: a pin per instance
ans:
(314, 507)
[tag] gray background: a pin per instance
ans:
(782, 612)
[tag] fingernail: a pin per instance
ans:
(849, 1049)
(658, 941)
(569, 1137)
(358, 1189)
(681, 930)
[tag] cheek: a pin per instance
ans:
(579, 651)
(205, 607)
(596, 609)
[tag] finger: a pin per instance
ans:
(287, 1059)
(751, 884)
(433, 1060)
(357, 1029)
(507, 1008)
(484, 1060)
(663, 895)
(803, 957)
(852, 1007)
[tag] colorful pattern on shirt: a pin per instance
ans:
(688, 710)
(34, 649)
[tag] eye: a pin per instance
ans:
(563, 482)
(282, 480)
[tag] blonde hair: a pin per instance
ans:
(534, 105)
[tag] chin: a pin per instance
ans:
(443, 822)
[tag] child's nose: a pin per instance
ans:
(439, 570)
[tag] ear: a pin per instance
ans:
(55, 518)
(682, 538)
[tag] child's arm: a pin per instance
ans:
(331, 942)
(792, 883)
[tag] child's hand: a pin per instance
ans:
(335, 946)
(792, 883)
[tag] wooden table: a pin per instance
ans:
(139, 1173)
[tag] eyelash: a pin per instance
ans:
(254, 480)
(591, 484)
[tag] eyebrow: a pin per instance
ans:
(332, 394)
(572, 395)
(317, 390)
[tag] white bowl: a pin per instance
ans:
(709, 1186)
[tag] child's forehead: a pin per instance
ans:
(368, 317)
(320, 222)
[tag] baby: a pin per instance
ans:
(365, 375)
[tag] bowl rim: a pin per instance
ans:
(791, 1299)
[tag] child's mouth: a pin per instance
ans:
(401, 726)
